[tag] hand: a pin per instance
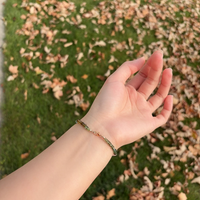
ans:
(124, 109)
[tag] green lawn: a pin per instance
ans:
(43, 102)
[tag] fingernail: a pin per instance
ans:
(159, 51)
(142, 58)
(170, 70)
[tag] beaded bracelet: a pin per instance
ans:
(97, 134)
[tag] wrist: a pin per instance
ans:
(98, 128)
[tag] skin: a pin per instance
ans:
(122, 112)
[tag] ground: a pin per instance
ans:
(58, 55)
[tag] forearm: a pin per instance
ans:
(63, 171)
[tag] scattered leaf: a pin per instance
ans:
(100, 43)
(102, 78)
(38, 120)
(110, 67)
(85, 76)
(182, 196)
(25, 155)
(35, 85)
(196, 180)
(71, 78)
(110, 193)
(107, 73)
(101, 197)
(25, 95)
(13, 69)
(58, 92)
(85, 106)
(53, 138)
(10, 78)
(112, 59)
(68, 44)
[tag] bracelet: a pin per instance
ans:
(99, 135)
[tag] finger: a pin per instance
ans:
(150, 83)
(126, 70)
(166, 111)
(163, 90)
(139, 78)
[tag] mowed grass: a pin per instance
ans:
(21, 131)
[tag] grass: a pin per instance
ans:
(21, 132)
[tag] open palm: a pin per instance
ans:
(124, 108)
